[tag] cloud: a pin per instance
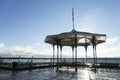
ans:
(111, 41)
(2, 45)
(90, 20)
(24, 51)
(17, 51)
(108, 49)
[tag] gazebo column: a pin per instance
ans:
(94, 52)
(75, 58)
(75, 52)
(61, 53)
(86, 45)
(57, 55)
(94, 56)
(86, 52)
(53, 54)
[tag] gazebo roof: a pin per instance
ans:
(69, 38)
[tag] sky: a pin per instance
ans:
(24, 25)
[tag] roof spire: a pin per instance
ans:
(73, 17)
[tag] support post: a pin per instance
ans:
(94, 52)
(53, 54)
(86, 52)
(86, 45)
(75, 52)
(57, 55)
(60, 53)
(96, 55)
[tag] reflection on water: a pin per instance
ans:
(63, 74)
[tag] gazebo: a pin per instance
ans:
(74, 39)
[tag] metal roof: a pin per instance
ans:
(81, 38)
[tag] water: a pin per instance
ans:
(63, 74)
(99, 60)
(90, 60)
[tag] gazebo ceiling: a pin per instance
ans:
(81, 38)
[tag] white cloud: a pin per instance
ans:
(22, 50)
(112, 40)
(18, 51)
(25, 51)
(2, 45)
(108, 49)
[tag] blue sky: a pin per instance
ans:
(24, 24)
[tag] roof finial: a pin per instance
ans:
(73, 17)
